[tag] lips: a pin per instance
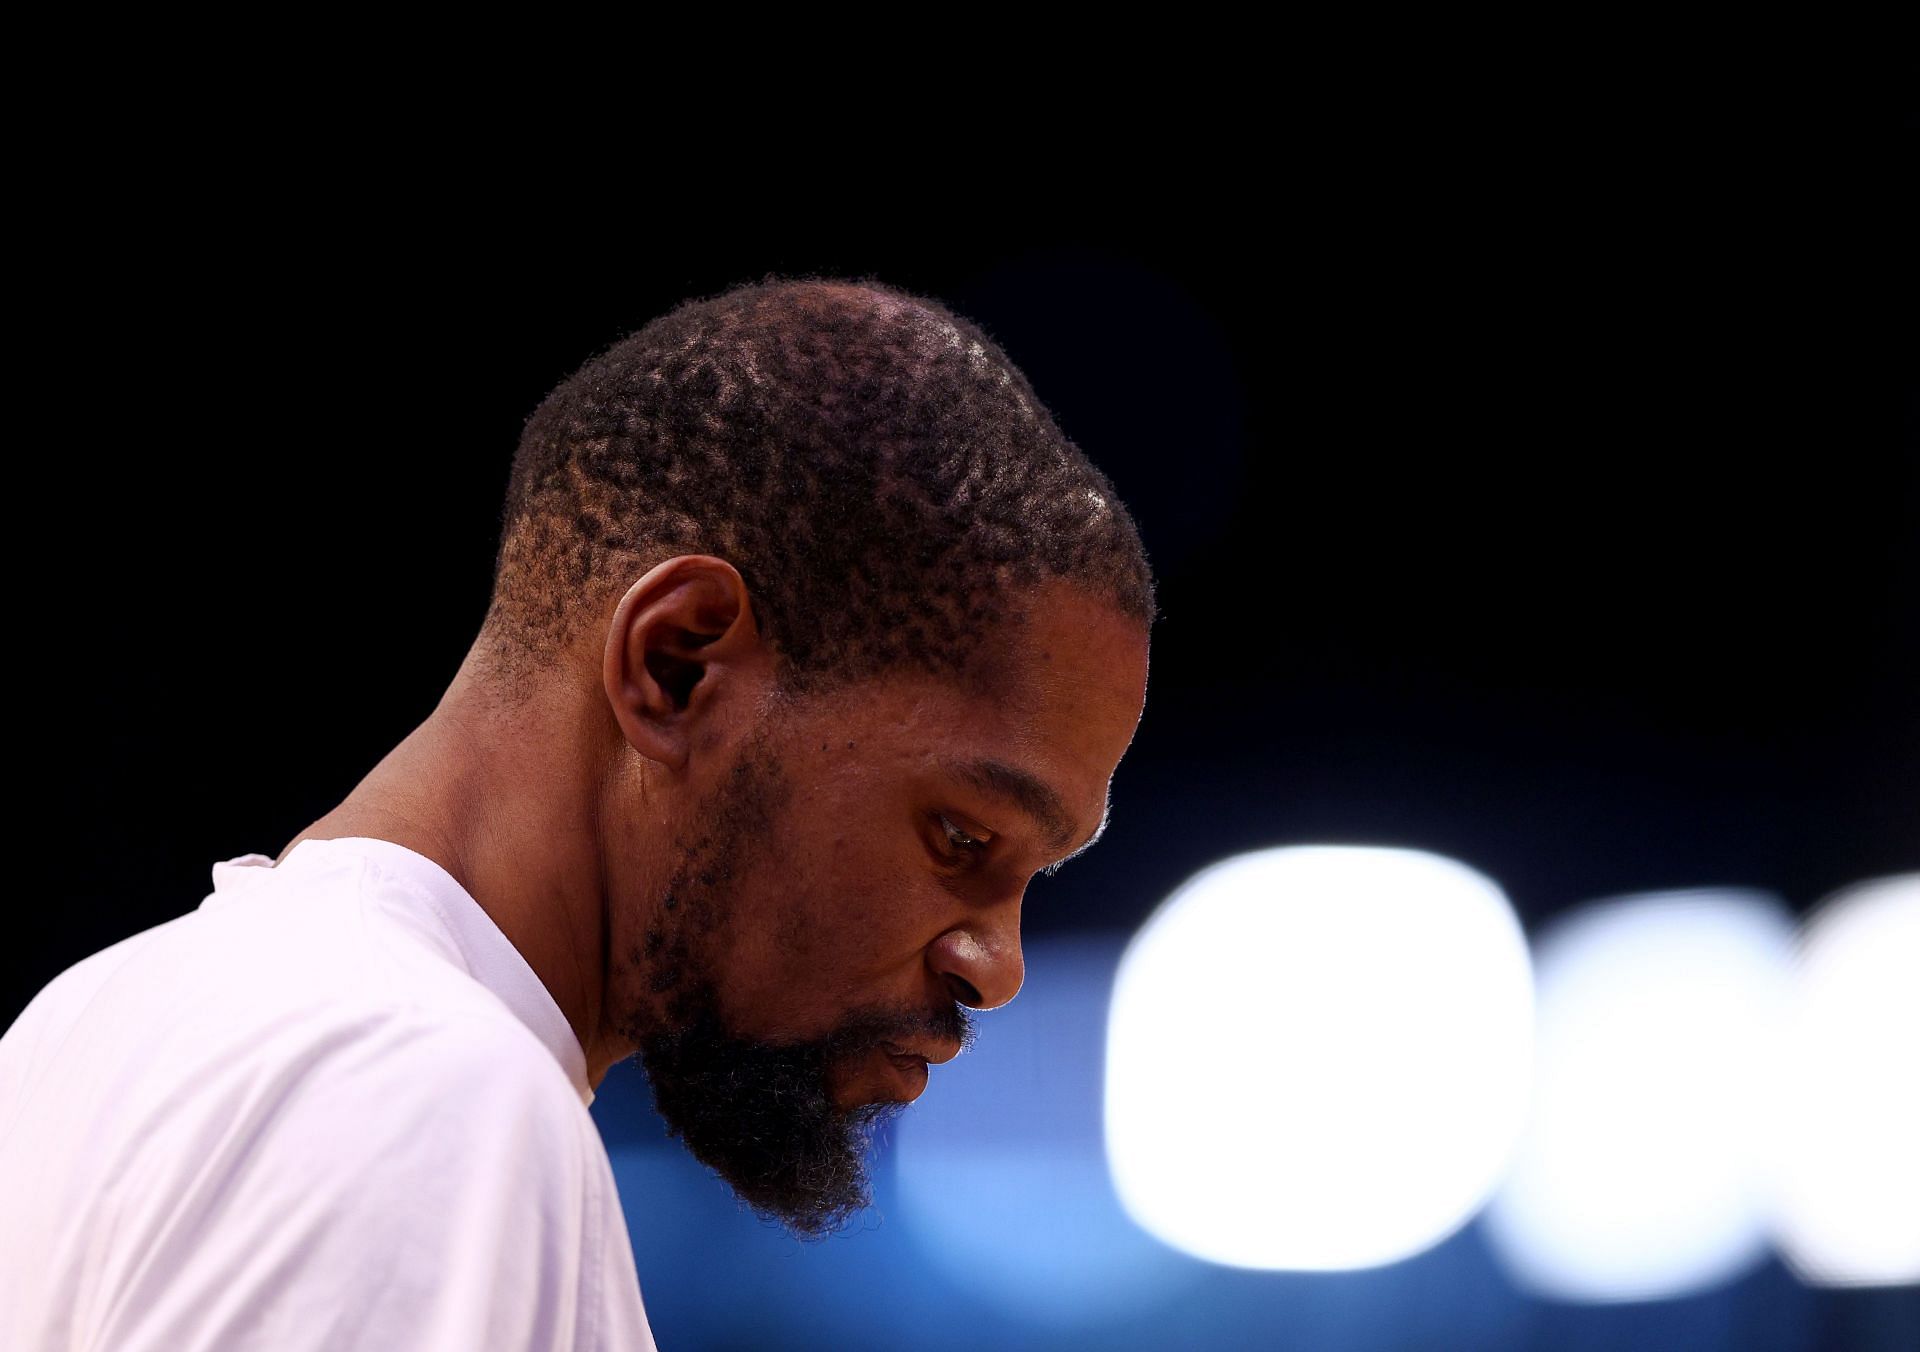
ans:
(909, 1074)
(931, 1052)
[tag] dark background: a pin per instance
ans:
(1551, 505)
(1536, 490)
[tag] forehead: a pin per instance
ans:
(1042, 718)
(1072, 674)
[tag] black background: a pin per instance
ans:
(1534, 488)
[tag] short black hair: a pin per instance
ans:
(875, 467)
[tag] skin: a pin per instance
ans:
(656, 814)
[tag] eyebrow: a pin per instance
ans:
(1033, 796)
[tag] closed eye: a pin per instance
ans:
(960, 840)
(972, 847)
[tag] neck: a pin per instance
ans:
(505, 800)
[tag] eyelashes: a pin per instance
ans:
(967, 845)
(964, 849)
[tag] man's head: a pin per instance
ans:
(871, 636)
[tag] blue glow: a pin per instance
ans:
(999, 1166)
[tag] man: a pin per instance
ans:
(812, 639)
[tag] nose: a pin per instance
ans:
(981, 961)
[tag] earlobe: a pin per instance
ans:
(667, 634)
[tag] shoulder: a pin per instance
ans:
(441, 1125)
(407, 1063)
(409, 1180)
(404, 1123)
(360, 1088)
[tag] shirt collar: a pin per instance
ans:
(489, 956)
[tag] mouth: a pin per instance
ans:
(908, 1072)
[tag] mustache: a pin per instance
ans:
(868, 1028)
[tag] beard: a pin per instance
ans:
(760, 1114)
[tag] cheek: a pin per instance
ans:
(842, 941)
(789, 961)
(839, 914)
(797, 934)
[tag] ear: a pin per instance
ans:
(683, 653)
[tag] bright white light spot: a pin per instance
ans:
(1639, 1176)
(1847, 1168)
(1317, 1057)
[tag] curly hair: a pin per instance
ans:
(874, 466)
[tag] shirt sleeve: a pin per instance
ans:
(419, 1185)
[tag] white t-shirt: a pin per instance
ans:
(333, 1107)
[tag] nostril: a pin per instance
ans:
(963, 990)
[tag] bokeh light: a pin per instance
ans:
(1640, 1173)
(1317, 1057)
(1846, 1168)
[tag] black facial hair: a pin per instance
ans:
(759, 1114)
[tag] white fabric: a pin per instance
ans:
(330, 1108)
